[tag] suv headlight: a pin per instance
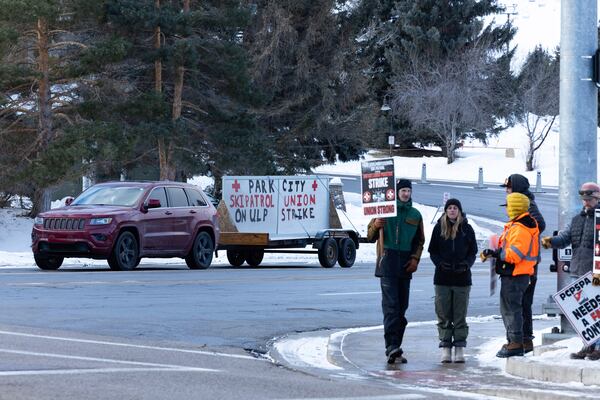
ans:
(100, 221)
(38, 221)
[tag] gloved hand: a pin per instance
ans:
(487, 253)
(546, 242)
(379, 223)
(411, 265)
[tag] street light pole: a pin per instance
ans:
(385, 107)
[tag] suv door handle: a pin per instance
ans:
(192, 211)
(168, 212)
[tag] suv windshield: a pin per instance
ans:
(109, 196)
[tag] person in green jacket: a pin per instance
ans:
(403, 240)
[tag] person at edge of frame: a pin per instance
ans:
(398, 258)
(579, 233)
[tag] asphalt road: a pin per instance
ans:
(176, 333)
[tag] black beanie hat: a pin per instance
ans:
(403, 183)
(453, 202)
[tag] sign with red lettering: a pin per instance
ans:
(580, 303)
(378, 188)
(282, 206)
(596, 269)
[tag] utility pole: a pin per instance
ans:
(385, 108)
(578, 113)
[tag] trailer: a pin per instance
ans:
(282, 214)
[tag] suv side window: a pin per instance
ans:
(177, 197)
(196, 198)
(159, 193)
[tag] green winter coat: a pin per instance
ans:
(404, 232)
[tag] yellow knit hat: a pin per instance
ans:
(516, 204)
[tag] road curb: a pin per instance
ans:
(536, 369)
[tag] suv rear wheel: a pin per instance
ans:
(48, 262)
(125, 254)
(201, 254)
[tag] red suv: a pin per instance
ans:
(124, 221)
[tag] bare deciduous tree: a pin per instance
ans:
(450, 97)
(538, 99)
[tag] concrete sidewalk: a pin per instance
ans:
(359, 354)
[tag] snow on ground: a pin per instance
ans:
(312, 351)
(474, 155)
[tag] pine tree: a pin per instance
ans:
(396, 34)
(38, 39)
(314, 95)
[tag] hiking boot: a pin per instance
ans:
(527, 346)
(594, 355)
(459, 355)
(581, 354)
(396, 355)
(510, 350)
(446, 355)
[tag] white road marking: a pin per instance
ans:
(104, 360)
(137, 346)
(92, 371)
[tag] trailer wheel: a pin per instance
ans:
(235, 257)
(347, 252)
(254, 257)
(328, 253)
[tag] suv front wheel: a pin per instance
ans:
(201, 254)
(48, 262)
(125, 254)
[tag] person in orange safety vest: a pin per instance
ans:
(516, 257)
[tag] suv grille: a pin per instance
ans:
(64, 224)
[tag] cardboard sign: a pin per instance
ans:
(445, 198)
(282, 206)
(580, 303)
(378, 188)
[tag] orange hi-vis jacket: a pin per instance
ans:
(519, 244)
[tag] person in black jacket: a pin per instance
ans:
(453, 250)
(517, 183)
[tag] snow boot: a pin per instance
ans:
(459, 355)
(396, 355)
(594, 355)
(581, 354)
(446, 355)
(527, 346)
(510, 349)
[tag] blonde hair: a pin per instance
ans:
(449, 230)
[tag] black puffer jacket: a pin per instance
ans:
(453, 258)
(520, 184)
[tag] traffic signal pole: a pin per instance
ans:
(578, 112)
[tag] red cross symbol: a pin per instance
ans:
(367, 197)
(314, 185)
(389, 194)
(235, 185)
